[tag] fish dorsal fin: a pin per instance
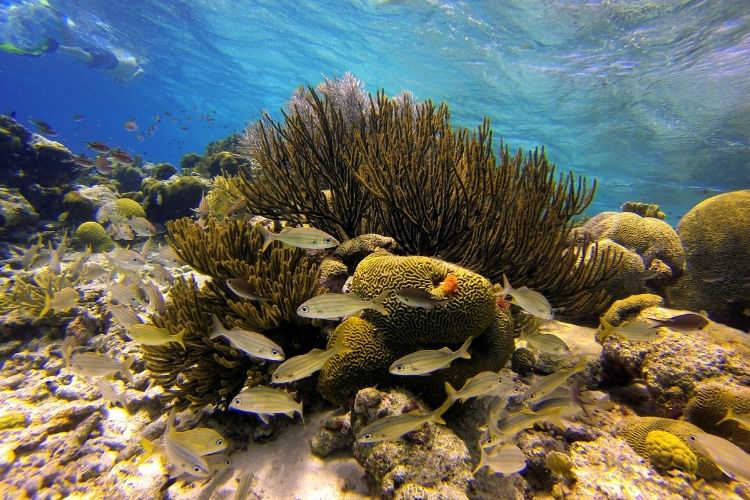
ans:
(445, 350)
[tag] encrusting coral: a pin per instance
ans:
(363, 168)
(636, 430)
(94, 235)
(373, 341)
(209, 371)
(666, 451)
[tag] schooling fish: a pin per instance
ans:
(428, 360)
(92, 364)
(392, 427)
(153, 335)
(265, 401)
(634, 331)
(543, 386)
(338, 305)
(123, 314)
(141, 226)
(155, 297)
(125, 258)
(182, 457)
(251, 343)
(529, 300)
(503, 459)
(686, 321)
(482, 384)
(63, 300)
(202, 440)
(546, 343)
(99, 147)
(124, 294)
(300, 237)
(417, 297)
(299, 367)
(44, 127)
(110, 394)
(241, 288)
(730, 458)
(103, 166)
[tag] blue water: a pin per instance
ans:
(649, 97)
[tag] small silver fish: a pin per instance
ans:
(167, 255)
(634, 331)
(182, 457)
(141, 226)
(300, 237)
(124, 258)
(392, 427)
(265, 401)
(339, 305)
(503, 459)
(685, 321)
(155, 298)
(202, 440)
(120, 231)
(124, 294)
(299, 367)
(482, 384)
(546, 343)
(251, 343)
(730, 458)
(529, 300)
(428, 360)
(123, 314)
(509, 426)
(543, 386)
(148, 334)
(64, 299)
(93, 272)
(92, 364)
(241, 288)
(160, 274)
(416, 297)
(110, 394)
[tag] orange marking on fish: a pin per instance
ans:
(450, 284)
(502, 303)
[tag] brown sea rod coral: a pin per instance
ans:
(402, 171)
(210, 371)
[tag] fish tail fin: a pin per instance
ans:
(729, 416)
(449, 390)
(377, 302)
(437, 415)
(268, 237)
(216, 327)
(463, 351)
(178, 338)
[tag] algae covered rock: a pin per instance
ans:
(163, 171)
(93, 234)
(432, 458)
(666, 451)
(15, 211)
(77, 207)
(128, 177)
(643, 209)
(716, 237)
(173, 198)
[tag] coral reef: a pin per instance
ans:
(710, 403)
(431, 458)
(209, 371)
(653, 239)
(94, 235)
(78, 208)
(716, 238)
(174, 198)
(128, 177)
(666, 451)
(163, 171)
(351, 176)
(636, 430)
(373, 341)
(15, 212)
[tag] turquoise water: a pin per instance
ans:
(649, 97)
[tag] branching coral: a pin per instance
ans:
(209, 371)
(399, 169)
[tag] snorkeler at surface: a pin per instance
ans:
(46, 19)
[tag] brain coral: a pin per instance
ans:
(636, 430)
(649, 237)
(126, 207)
(469, 312)
(92, 233)
(666, 451)
(716, 237)
(373, 341)
(711, 402)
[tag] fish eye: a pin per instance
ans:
(367, 436)
(399, 367)
(274, 351)
(304, 309)
(196, 468)
(219, 442)
(237, 401)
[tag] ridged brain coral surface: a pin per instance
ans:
(468, 312)
(711, 402)
(666, 451)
